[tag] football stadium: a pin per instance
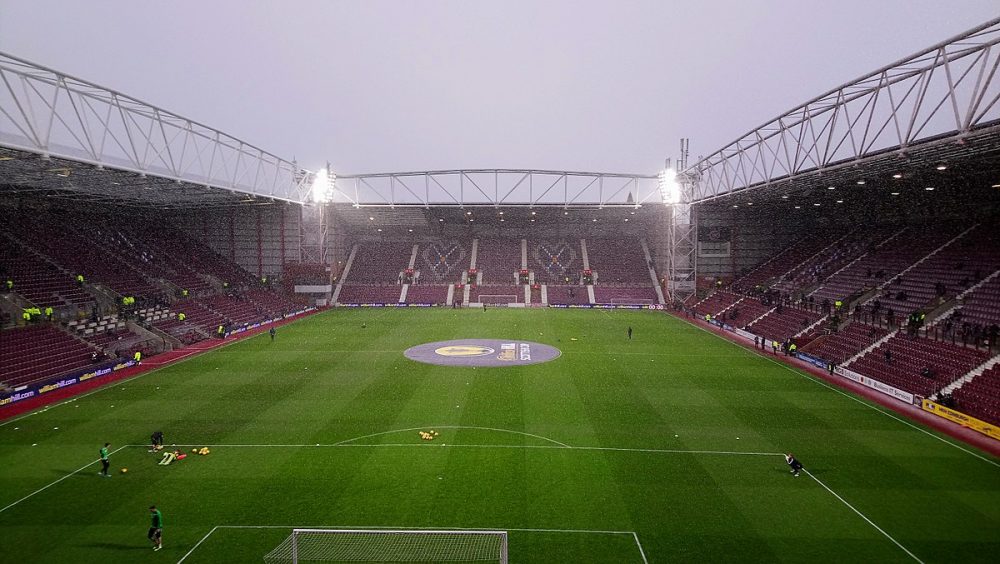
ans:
(784, 350)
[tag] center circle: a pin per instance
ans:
(482, 352)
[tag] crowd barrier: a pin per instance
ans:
(21, 393)
(962, 419)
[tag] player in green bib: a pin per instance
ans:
(155, 528)
(105, 462)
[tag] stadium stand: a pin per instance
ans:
(497, 294)
(951, 271)
(618, 262)
(567, 295)
(33, 354)
(272, 302)
(887, 260)
(982, 305)
(980, 397)
(832, 258)
(624, 295)
(380, 263)
(717, 302)
(427, 294)
(841, 345)
(745, 312)
(910, 356)
(782, 262)
(38, 280)
(441, 262)
(498, 260)
(364, 294)
(555, 262)
(784, 325)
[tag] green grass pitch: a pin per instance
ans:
(658, 431)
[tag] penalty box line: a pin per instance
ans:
(444, 445)
(633, 534)
(578, 448)
(73, 473)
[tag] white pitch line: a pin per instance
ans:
(639, 544)
(862, 515)
(444, 445)
(378, 528)
(453, 427)
(854, 398)
(887, 414)
(193, 548)
(386, 527)
(74, 472)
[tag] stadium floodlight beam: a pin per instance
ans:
(670, 190)
(323, 185)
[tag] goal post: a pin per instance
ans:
(384, 545)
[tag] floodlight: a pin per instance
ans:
(670, 191)
(322, 187)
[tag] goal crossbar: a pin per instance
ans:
(391, 545)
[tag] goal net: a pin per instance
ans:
(499, 299)
(367, 545)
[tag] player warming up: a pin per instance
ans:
(630, 333)
(272, 332)
(794, 464)
(105, 460)
(156, 441)
(155, 533)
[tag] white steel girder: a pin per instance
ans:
(47, 112)
(947, 90)
(496, 187)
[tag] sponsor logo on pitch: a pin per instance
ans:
(464, 350)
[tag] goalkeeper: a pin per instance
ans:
(794, 464)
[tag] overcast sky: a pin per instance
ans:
(393, 86)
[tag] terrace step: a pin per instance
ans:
(857, 259)
(870, 348)
(343, 275)
(931, 254)
(809, 258)
(947, 390)
(810, 327)
(652, 272)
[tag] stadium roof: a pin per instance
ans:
(497, 187)
(937, 106)
(96, 134)
(69, 138)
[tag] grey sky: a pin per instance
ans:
(393, 86)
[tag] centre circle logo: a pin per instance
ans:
(463, 350)
(482, 352)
